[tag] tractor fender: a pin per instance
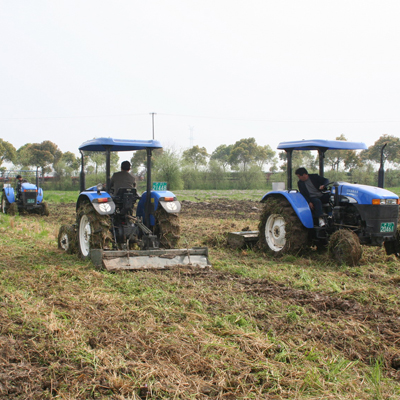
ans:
(298, 202)
(9, 193)
(101, 201)
(164, 198)
(39, 195)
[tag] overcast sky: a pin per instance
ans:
(213, 71)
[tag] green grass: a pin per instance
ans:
(57, 196)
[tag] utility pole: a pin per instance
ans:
(191, 136)
(152, 118)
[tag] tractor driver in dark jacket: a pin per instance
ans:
(19, 181)
(122, 179)
(311, 186)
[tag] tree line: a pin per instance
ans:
(242, 165)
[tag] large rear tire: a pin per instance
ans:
(93, 230)
(345, 248)
(167, 228)
(45, 209)
(12, 209)
(280, 229)
(67, 239)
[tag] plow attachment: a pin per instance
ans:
(242, 239)
(150, 259)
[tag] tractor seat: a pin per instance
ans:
(121, 191)
(125, 199)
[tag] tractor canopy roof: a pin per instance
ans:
(319, 144)
(103, 144)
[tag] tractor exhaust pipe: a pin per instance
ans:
(82, 179)
(381, 172)
(148, 206)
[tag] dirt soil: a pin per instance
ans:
(22, 368)
(222, 209)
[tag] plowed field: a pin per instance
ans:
(251, 327)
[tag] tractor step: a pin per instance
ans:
(113, 260)
(242, 239)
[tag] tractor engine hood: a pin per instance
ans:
(363, 194)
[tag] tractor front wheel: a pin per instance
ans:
(280, 229)
(345, 248)
(67, 240)
(393, 247)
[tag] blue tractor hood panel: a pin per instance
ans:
(363, 194)
(321, 144)
(28, 186)
(102, 144)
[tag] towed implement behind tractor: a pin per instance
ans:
(108, 232)
(355, 214)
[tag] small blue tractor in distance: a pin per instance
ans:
(111, 234)
(24, 197)
(356, 214)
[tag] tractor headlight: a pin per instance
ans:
(385, 201)
(99, 187)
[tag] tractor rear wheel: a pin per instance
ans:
(45, 209)
(12, 208)
(280, 229)
(93, 230)
(167, 228)
(345, 248)
(67, 239)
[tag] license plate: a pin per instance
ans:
(387, 226)
(32, 201)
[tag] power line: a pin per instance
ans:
(226, 118)
(75, 116)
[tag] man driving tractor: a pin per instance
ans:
(311, 187)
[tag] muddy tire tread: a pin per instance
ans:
(167, 228)
(100, 237)
(297, 239)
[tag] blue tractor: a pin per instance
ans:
(110, 232)
(355, 215)
(24, 197)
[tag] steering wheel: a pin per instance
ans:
(328, 187)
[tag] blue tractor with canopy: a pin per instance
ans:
(355, 214)
(114, 235)
(25, 196)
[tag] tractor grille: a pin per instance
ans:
(29, 197)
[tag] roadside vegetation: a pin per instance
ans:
(251, 327)
(244, 165)
(60, 196)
